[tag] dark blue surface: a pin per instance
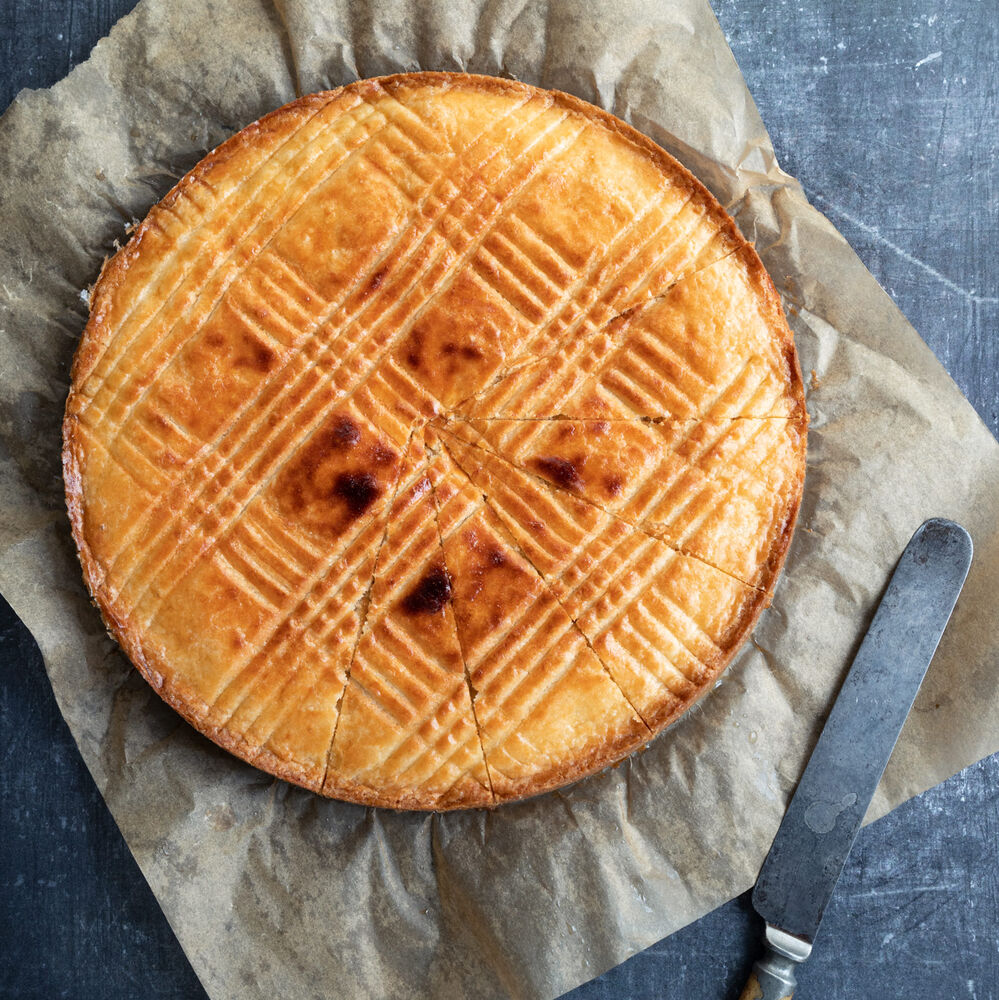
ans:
(889, 115)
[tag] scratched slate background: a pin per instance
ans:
(888, 113)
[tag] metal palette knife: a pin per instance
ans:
(820, 825)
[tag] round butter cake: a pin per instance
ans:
(436, 441)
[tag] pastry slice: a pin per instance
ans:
(406, 735)
(663, 623)
(715, 341)
(723, 490)
(546, 708)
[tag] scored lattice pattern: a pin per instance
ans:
(561, 315)
(406, 725)
(607, 575)
(717, 489)
(704, 347)
(542, 698)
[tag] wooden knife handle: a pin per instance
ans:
(772, 978)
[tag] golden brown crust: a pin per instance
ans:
(403, 390)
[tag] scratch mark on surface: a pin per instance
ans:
(932, 57)
(828, 206)
(943, 122)
(906, 890)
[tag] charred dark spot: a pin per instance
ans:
(430, 595)
(344, 433)
(215, 340)
(262, 358)
(358, 490)
(414, 348)
(253, 354)
(613, 485)
(496, 557)
(560, 471)
(468, 351)
(341, 463)
(376, 280)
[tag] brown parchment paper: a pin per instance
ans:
(274, 892)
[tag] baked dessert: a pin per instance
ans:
(436, 441)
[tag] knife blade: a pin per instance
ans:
(819, 827)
